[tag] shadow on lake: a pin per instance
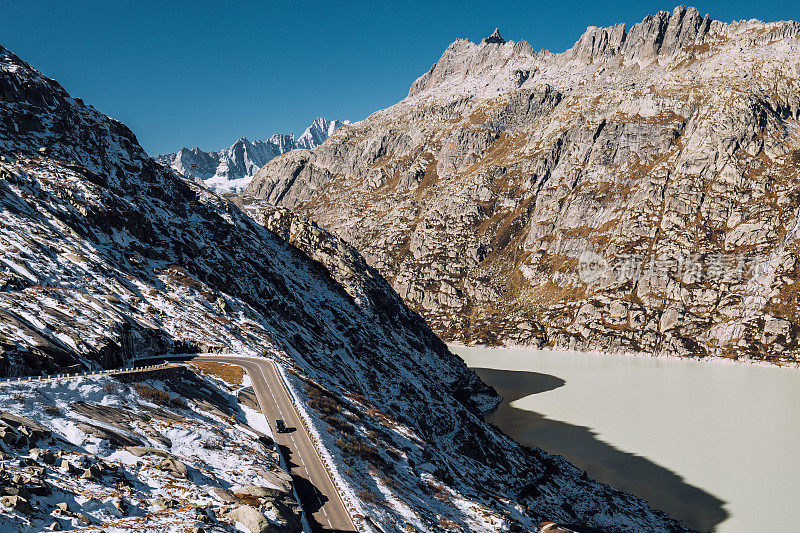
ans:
(627, 472)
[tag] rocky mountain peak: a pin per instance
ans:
(494, 38)
(466, 67)
(282, 139)
(663, 34)
(666, 34)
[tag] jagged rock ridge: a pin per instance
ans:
(663, 159)
(231, 169)
(105, 253)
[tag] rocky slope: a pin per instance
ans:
(231, 169)
(638, 192)
(137, 452)
(104, 254)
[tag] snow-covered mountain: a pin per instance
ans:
(232, 168)
(318, 132)
(105, 253)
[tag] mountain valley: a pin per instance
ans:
(109, 256)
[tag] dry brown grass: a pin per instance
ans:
(549, 293)
(249, 499)
(368, 496)
(354, 447)
(232, 374)
(157, 396)
(430, 178)
(789, 301)
(551, 263)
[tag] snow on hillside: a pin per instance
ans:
(165, 451)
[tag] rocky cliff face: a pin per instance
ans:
(231, 169)
(638, 192)
(105, 254)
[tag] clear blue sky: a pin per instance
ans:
(206, 73)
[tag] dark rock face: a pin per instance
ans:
(495, 38)
(106, 254)
(664, 157)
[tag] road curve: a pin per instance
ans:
(312, 481)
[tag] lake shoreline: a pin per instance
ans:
(711, 359)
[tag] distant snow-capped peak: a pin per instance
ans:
(318, 131)
(232, 168)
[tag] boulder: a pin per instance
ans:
(39, 488)
(278, 478)
(141, 451)
(259, 492)
(163, 503)
(33, 471)
(67, 467)
(93, 472)
(45, 456)
(21, 432)
(251, 518)
(175, 467)
(18, 503)
(8, 435)
(669, 319)
(114, 438)
(223, 494)
(550, 527)
(777, 327)
(19, 422)
(15, 490)
(158, 437)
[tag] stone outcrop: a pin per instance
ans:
(635, 193)
(252, 519)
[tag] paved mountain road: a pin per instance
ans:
(319, 496)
